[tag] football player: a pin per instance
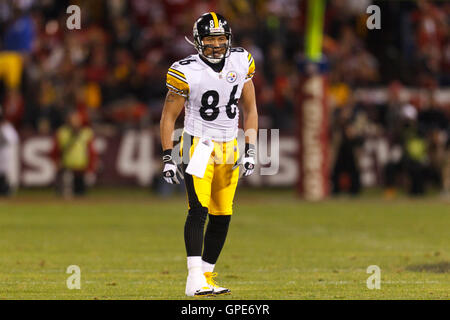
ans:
(209, 86)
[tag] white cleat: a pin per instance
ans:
(197, 286)
(213, 285)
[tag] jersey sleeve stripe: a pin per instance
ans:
(175, 90)
(181, 74)
(177, 84)
(251, 69)
(249, 56)
(177, 77)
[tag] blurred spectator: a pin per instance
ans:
(8, 141)
(391, 119)
(17, 43)
(19, 34)
(434, 124)
(421, 158)
(415, 148)
(74, 155)
(346, 139)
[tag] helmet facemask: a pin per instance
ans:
(201, 47)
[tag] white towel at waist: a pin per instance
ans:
(199, 161)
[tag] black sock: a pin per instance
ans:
(215, 235)
(193, 231)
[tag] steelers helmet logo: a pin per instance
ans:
(231, 76)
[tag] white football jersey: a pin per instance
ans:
(211, 97)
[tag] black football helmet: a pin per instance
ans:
(211, 24)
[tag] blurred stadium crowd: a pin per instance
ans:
(112, 71)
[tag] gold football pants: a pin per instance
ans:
(216, 189)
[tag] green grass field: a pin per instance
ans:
(129, 245)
